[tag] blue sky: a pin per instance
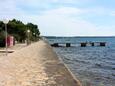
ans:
(64, 17)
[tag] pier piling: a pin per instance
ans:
(92, 44)
(68, 44)
(102, 44)
(55, 45)
(83, 44)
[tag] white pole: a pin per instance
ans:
(28, 33)
(6, 39)
(5, 21)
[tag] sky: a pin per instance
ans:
(64, 17)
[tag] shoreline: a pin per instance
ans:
(73, 76)
(73, 79)
(36, 64)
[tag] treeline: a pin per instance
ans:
(18, 29)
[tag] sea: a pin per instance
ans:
(92, 65)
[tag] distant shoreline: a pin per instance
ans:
(82, 36)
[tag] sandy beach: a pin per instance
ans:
(17, 46)
(34, 65)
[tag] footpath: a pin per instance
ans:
(35, 65)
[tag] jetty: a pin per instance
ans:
(35, 65)
(61, 44)
(82, 44)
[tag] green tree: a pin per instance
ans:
(18, 29)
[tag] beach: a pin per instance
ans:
(35, 65)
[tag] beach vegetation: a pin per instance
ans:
(18, 29)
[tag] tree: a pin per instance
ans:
(18, 29)
(34, 31)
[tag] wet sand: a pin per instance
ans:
(34, 65)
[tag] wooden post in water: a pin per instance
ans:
(55, 45)
(92, 44)
(68, 44)
(102, 43)
(83, 44)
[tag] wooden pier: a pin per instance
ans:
(59, 45)
(82, 44)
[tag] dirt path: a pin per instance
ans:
(35, 65)
(13, 48)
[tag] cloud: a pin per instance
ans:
(9, 9)
(112, 13)
(61, 21)
(46, 4)
(64, 11)
(34, 2)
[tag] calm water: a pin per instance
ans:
(93, 66)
